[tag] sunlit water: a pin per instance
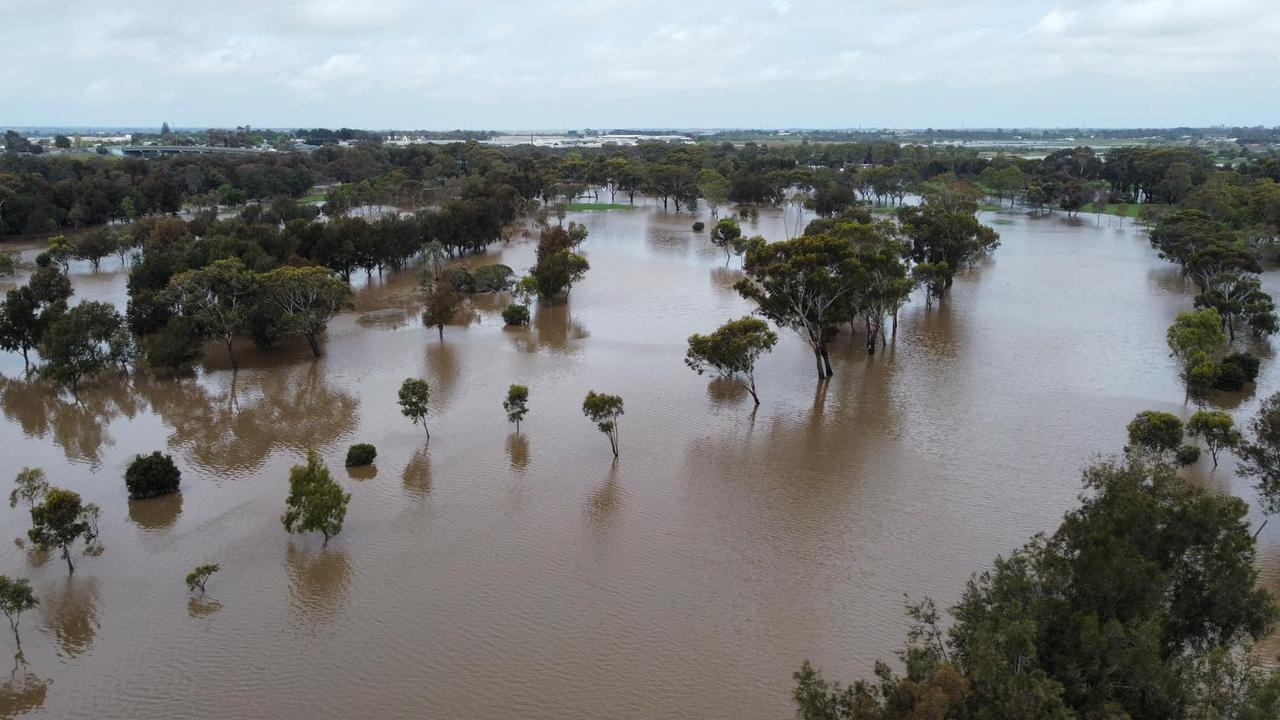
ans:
(489, 574)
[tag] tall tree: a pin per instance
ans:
(413, 399)
(59, 521)
(15, 598)
(306, 298)
(220, 298)
(604, 410)
(86, 340)
(316, 501)
(516, 404)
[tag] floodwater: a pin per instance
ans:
(489, 574)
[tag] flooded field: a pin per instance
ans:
(494, 575)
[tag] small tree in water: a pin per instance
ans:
(516, 404)
(604, 410)
(414, 394)
(316, 501)
(196, 579)
(15, 598)
(29, 486)
(732, 351)
(58, 522)
(1216, 429)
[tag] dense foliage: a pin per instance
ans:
(152, 475)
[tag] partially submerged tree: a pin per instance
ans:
(732, 350)
(151, 476)
(1216, 430)
(88, 339)
(725, 235)
(199, 577)
(30, 487)
(1194, 338)
(306, 298)
(413, 398)
(516, 404)
(219, 298)
(316, 502)
(58, 522)
(604, 410)
(1260, 454)
(1157, 436)
(15, 598)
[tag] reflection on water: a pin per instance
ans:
(69, 609)
(231, 428)
(24, 691)
(77, 424)
(417, 473)
(605, 500)
(518, 450)
(553, 329)
(362, 472)
(200, 607)
(318, 579)
(156, 513)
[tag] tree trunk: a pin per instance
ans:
(817, 358)
(66, 555)
(231, 354)
(311, 341)
(441, 329)
(751, 386)
(826, 360)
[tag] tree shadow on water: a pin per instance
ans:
(23, 692)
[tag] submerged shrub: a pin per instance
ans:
(361, 454)
(1235, 371)
(698, 226)
(151, 476)
(516, 314)
(1187, 455)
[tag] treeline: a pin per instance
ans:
(43, 194)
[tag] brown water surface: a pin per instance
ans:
(489, 574)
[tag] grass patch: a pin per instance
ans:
(1129, 210)
(579, 207)
(312, 198)
(1001, 221)
(990, 207)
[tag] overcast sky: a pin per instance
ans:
(548, 64)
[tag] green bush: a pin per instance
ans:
(1187, 455)
(516, 314)
(1235, 371)
(361, 454)
(698, 226)
(151, 476)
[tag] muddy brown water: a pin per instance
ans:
(489, 574)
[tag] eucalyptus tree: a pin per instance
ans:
(220, 298)
(413, 398)
(945, 232)
(731, 351)
(1216, 430)
(316, 502)
(59, 521)
(604, 410)
(516, 404)
(16, 598)
(305, 299)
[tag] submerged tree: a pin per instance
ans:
(1194, 338)
(604, 410)
(197, 578)
(30, 487)
(732, 350)
(945, 231)
(58, 522)
(413, 397)
(1260, 454)
(1216, 429)
(516, 404)
(306, 299)
(86, 340)
(316, 502)
(725, 235)
(220, 298)
(15, 598)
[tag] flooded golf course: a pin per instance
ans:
(493, 575)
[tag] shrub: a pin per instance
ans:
(151, 476)
(516, 314)
(1235, 371)
(361, 454)
(698, 226)
(1187, 455)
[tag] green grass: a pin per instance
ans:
(990, 207)
(313, 198)
(1122, 209)
(579, 207)
(1001, 221)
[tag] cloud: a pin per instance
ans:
(537, 63)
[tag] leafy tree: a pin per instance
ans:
(61, 251)
(58, 522)
(15, 598)
(732, 351)
(516, 314)
(1194, 338)
(316, 502)
(556, 267)
(945, 231)
(1133, 608)
(516, 404)
(413, 399)
(30, 487)
(175, 346)
(1260, 454)
(219, 298)
(493, 278)
(1154, 432)
(361, 454)
(8, 265)
(1216, 429)
(441, 303)
(199, 577)
(1235, 371)
(724, 235)
(86, 340)
(61, 141)
(151, 476)
(604, 410)
(306, 298)
(804, 285)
